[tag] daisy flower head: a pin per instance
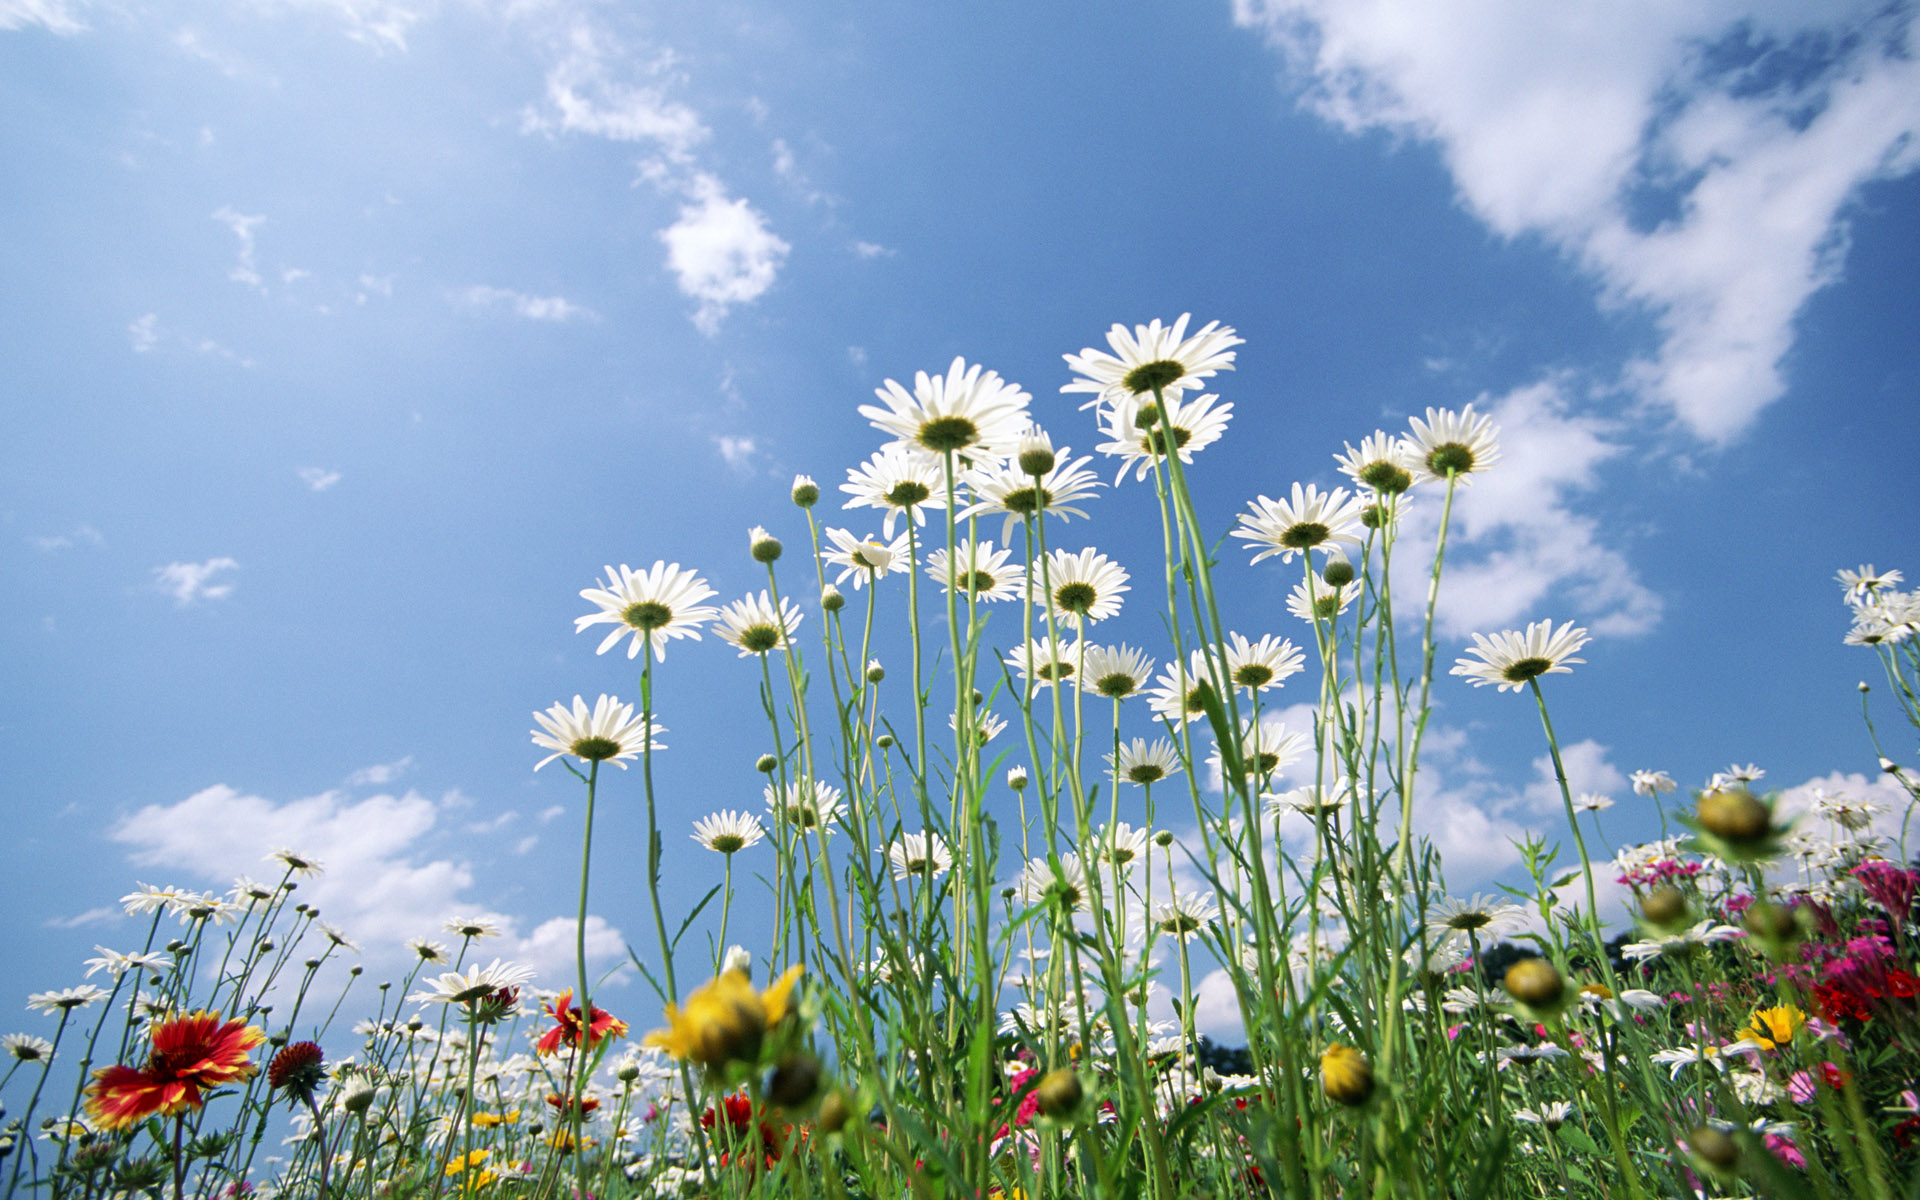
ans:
(1144, 762)
(475, 983)
(864, 558)
(1323, 602)
(1649, 783)
(1862, 582)
(151, 899)
(752, 624)
(1186, 915)
(1018, 495)
(1264, 748)
(1115, 672)
(1592, 802)
(652, 606)
(191, 1056)
(1045, 661)
(1151, 356)
(1079, 588)
(1512, 659)
(1308, 519)
(25, 1047)
(805, 804)
(304, 865)
(1381, 463)
(609, 732)
(427, 950)
(117, 963)
(1038, 880)
(978, 570)
(728, 832)
(1452, 444)
(1134, 435)
(1121, 844)
(1182, 695)
(1487, 918)
(987, 725)
(472, 927)
(1260, 665)
(969, 411)
(922, 854)
(67, 999)
(896, 481)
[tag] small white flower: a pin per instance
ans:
(652, 606)
(728, 832)
(1649, 783)
(67, 999)
(1512, 659)
(1308, 520)
(463, 987)
(1457, 444)
(609, 732)
(922, 854)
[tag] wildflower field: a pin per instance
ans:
(976, 866)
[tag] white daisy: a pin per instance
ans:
(896, 481)
(986, 725)
(1704, 933)
(25, 1047)
(464, 987)
(1308, 519)
(1182, 696)
(1511, 659)
(116, 963)
(751, 623)
(1018, 495)
(304, 865)
(472, 927)
(1044, 661)
(1038, 879)
(1115, 672)
(1552, 1114)
(979, 570)
(1142, 762)
(1448, 443)
(1487, 917)
(866, 558)
(151, 899)
(806, 804)
(1152, 355)
(1260, 665)
(1185, 915)
(1713, 1056)
(1264, 748)
(921, 854)
(427, 949)
(1121, 844)
(728, 832)
(1134, 436)
(67, 999)
(1591, 802)
(968, 411)
(1862, 582)
(609, 732)
(1079, 588)
(1381, 464)
(655, 605)
(1648, 783)
(1324, 603)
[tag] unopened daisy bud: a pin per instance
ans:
(1664, 907)
(884, 741)
(1035, 452)
(766, 764)
(1714, 1148)
(832, 600)
(764, 547)
(834, 1113)
(1775, 926)
(1009, 893)
(1017, 778)
(1535, 983)
(1338, 572)
(1374, 516)
(795, 1081)
(737, 959)
(1345, 1075)
(1735, 816)
(1889, 766)
(356, 969)
(805, 491)
(628, 1072)
(1059, 1093)
(358, 1099)
(1864, 689)
(1163, 838)
(875, 672)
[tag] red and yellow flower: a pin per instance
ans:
(566, 1030)
(191, 1056)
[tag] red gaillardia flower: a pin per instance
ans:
(566, 1031)
(192, 1054)
(298, 1069)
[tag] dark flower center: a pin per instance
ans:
(1146, 773)
(1075, 597)
(908, 493)
(1527, 668)
(1116, 686)
(1304, 534)
(1253, 675)
(1385, 478)
(1148, 376)
(1450, 459)
(647, 615)
(1156, 440)
(948, 433)
(1027, 501)
(595, 749)
(760, 638)
(978, 581)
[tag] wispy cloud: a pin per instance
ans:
(585, 94)
(81, 535)
(318, 479)
(520, 304)
(104, 915)
(56, 16)
(245, 268)
(143, 333)
(737, 452)
(721, 251)
(190, 583)
(1697, 160)
(380, 773)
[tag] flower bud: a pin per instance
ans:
(1664, 907)
(805, 491)
(1059, 1093)
(1714, 1148)
(1535, 983)
(832, 600)
(1735, 816)
(766, 764)
(1338, 572)
(358, 1100)
(1345, 1075)
(795, 1081)
(875, 672)
(835, 1111)
(1017, 778)
(884, 741)
(764, 547)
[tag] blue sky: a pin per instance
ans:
(347, 340)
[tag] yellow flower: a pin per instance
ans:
(724, 1021)
(1345, 1075)
(1772, 1028)
(481, 1176)
(487, 1120)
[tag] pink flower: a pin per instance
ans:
(1801, 1088)
(1784, 1150)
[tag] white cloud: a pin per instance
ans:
(380, 773)
(380, 285)
(721, 251)
(318, 478)
(551, 811)
(737, 451)
(53, 15)
(533, 308)
(1516, 541)
(379, 24)
(83, 535)
(245, 269)
(188, 583)
(584, 96)
(143, 333)
(104, 915)
(1696, 159)
(1588, 770)
(550, 950)
(872, 250)
(857, 355)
